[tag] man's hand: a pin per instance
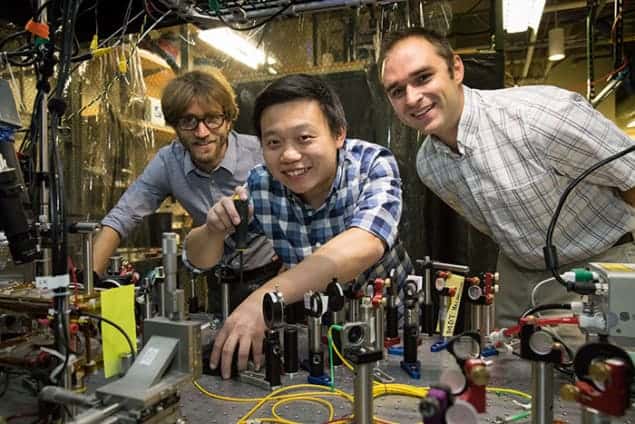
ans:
(244, 329)
(223, 216)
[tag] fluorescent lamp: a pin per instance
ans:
(556, 44)
(518, 15)
(233, 44)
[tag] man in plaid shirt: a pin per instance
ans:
(502, 159)
(330, 205)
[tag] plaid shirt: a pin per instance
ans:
(518, 150)
(366, 194)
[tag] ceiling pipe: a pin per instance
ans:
(530, 52)
(569, 6)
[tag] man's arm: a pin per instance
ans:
(205, 244)
(204, 247)
(344, 257)
(629, 196)
(140, 199)
(106, 242)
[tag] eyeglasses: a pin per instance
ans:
(190, 122)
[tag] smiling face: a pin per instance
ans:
(207, 146)
(424, 93)
(299, 148)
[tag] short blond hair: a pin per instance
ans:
(207, 87)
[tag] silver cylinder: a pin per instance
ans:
(125, 360)
(379, 328)
(476, 318)
(114, 265)
(593, 416)
(366, 314)
(169, 301)
(96, 416)
(541, 392)
(443, 311)
(147, 300)
(363, 386)
(178, 305)
(162, 300)
(315, 336)
(224, 300)
(353, 310)
(88, 263)
(337, 317)
(169, 250)
(54, 394)
(488, 319)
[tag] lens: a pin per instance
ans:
(355, 335)
(214, 121)
(188, 122)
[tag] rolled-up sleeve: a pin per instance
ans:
(142, 198)
(379, 206)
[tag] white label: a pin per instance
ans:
(50, 282)
(149, 355)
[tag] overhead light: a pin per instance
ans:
(556, 44)
(518, 15)
(233, 44)
(631, 124)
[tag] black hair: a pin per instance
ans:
(298, 87)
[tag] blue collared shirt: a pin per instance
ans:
(172, 173)
(366, 194)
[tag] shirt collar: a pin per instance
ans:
(467, 130)
(229, 162)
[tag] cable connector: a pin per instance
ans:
(579, 275)
(577, 307)
(39, 29)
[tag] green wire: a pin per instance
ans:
(517, 417)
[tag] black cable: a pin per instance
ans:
(62, 328)
(551, 258)
(114, 325)
(545, 307)
(259, 24)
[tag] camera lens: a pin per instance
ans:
(355, 335)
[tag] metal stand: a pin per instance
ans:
(224, 299)
(592, 416)
(410, 363)
(273, 358)
(359, 349)
(363, 384)
(541, 392)
(87, 230)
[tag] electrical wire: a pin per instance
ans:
(117, 327)
(281, 402)
(536, 287)
(254, 26)
(551, 260)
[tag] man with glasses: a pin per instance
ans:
(205, 162)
